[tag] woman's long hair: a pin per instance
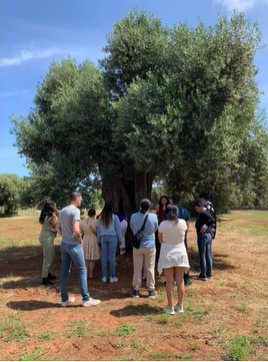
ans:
(172, 213)
(47, 210)
(160, 203)
(107, 214)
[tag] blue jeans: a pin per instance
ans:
(108, 251)
(205, 254)
(75, 253)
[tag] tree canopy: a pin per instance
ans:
(178, 105)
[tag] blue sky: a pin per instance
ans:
(35, 32)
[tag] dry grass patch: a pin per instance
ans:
(225, 318)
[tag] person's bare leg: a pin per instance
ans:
(87, 267)
(180, 284)
(168, 273)
(91, 268)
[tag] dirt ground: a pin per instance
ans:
(233, 303)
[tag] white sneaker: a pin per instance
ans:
(104, 279)
(169, 310)
(91, 302)
(122, 251)
(114, 280)
(70, 300)
(178, 308)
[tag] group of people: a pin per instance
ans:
(164, 240)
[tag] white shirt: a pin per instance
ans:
(173, 233)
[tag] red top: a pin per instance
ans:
(159, 214)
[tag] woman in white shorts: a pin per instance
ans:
(173, 258)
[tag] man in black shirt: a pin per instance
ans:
(203, 226)
(211, 209)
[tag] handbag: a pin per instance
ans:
(136, 238)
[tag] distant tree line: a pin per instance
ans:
(175, 107)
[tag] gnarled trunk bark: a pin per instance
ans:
(126, 197)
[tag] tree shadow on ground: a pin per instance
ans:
(31, 305)
(21, 267)
(141, 310)
(220, 261)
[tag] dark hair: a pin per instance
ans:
(199, 204)
(172, 213)
(107, 214)
(204, 195)
(160, 203)
(75, 195)
(91, 212)
(47, 210)
(176, 199)
(145, 205)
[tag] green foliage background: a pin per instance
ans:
(176, 107)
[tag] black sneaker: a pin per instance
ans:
(152, 294)
(187, 282)
(209, 276)
(46, 281)
(135, 293)
(51, 277)
(201, 277)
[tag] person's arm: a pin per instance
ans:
(53, 223)
(118, 230)
(98, 232)
(76, 232)
(208, 222)
(57, 227)
(81, 227)
(188, 225)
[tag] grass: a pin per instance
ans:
(34, 356)
(45, 336)
(125, 330)
(12, 327)
(200, 312)
(224, 319)
(237, 348)
(78, 329)
(160, 356)
(242, 308)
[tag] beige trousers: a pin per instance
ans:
(144, 257)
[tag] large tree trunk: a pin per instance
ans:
(126, 197)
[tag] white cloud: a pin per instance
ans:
(23, 92)
(239, 5)
(26, 55)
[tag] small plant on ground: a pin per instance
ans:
(34, 356)
(160, 356)
(242, 308)
(179, 322)
(78, 329)
(199, 313)
(102, 333)
(12, 328)
(237, 348)
(45, 336)
(139, 347)
(188, 357)
(164, 318)
(193, 346)
(119, 344)
(125, 330)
